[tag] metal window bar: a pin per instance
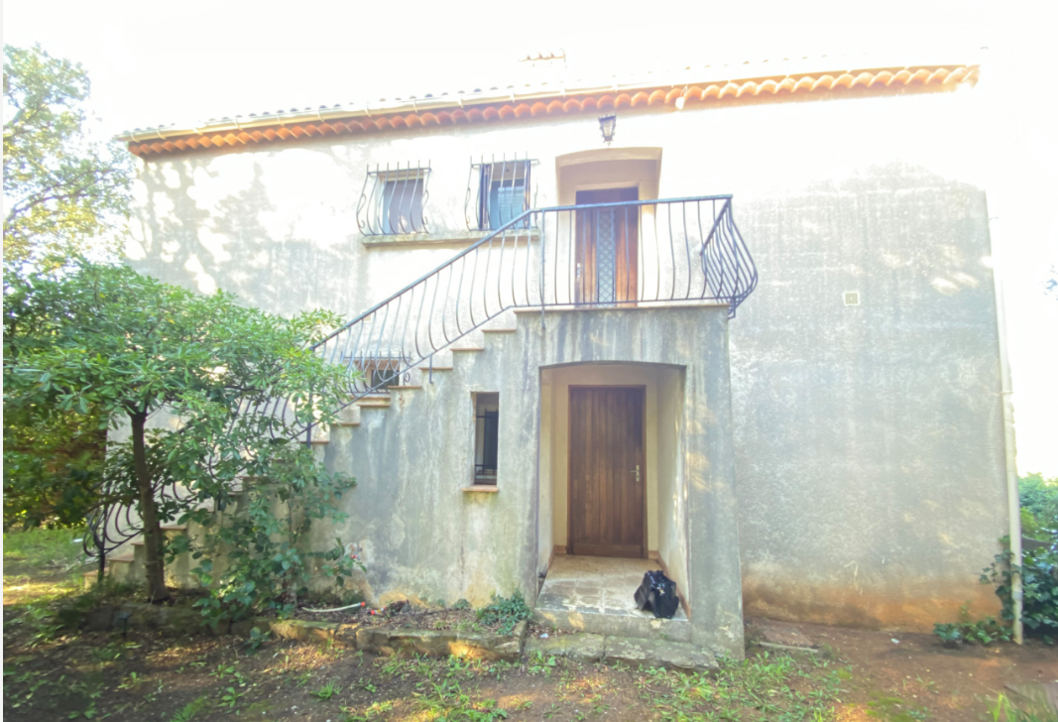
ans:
(489, 424)
(393, 200)
(498, 191)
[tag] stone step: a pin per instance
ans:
(584, 619)
(374, 402)
(468, 349)
(499, 330)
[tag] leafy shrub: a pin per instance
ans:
(985, 631)
(1039, 581)
(252, 555)
(1039, 506)
(505, 612)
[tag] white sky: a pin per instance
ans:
(153, 63)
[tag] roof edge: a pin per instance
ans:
(447, 109)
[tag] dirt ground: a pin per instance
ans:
(856, 675)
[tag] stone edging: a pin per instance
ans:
(393, 641)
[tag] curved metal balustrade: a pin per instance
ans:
(620, 255)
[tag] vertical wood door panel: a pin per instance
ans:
(606, 499)
(607, 248)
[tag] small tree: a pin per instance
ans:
(62, 191)
(104, 338)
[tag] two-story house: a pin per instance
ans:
(737, 321)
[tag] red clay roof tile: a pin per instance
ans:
(867, 80)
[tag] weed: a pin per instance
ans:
(505, 612)
(189, 711)
(327, 691)
(231, 697)
(41, 624)
(256, 640)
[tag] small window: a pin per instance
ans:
(378, 374)
(503, 193)
(392, 202)
(486, 437)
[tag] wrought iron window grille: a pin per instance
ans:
(486, 437)
(393, 200)
(498, 192)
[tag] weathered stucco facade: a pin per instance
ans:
(822, 456)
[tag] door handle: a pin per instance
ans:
(636, 472)
(578, 271)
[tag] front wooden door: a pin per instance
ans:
(607, 248)
(607, 473)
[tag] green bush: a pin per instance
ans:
(506, 612)
(986, 631)
(1039, 581)
(1039, 506)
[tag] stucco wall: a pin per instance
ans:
(870, 454)
(868, 438)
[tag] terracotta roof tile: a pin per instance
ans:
(460, 112)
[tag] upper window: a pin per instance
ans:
(502, 193)
(392, 201)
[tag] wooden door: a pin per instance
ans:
(607, 248)
(606, 494)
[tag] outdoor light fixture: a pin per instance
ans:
(607, 123)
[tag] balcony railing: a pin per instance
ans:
(606, 255)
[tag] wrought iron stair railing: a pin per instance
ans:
(619, 255)
(605, 255)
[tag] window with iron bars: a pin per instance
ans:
(393, 200)
(498, 192)
(486, 437)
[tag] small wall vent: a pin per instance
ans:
(852, 298)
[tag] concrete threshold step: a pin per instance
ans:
(583, 619)
(467, 349)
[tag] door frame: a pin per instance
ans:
(570, 550)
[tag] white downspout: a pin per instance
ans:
(1013, 500)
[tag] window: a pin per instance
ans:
(392, 201)
(486, 437)
(379, 373)
(503, 192)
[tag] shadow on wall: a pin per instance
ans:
(243, 242)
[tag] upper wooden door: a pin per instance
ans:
(607, 248)
(606, 493)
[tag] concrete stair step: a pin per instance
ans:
(613, 625)
(374, 402)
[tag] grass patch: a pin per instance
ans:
(767, 687)
(53, 549)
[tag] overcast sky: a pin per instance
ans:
(154, 63)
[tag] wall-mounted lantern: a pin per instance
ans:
(607, 124)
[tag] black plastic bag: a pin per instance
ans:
(657, 594)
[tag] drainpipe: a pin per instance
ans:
(1013, 500)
